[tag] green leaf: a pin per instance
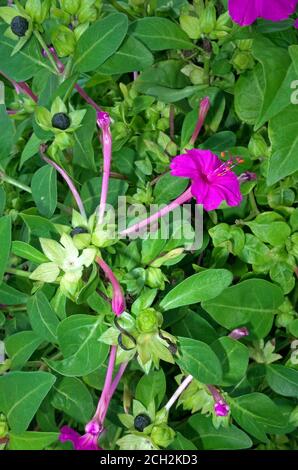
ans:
(251, 303)
(160, 34)
(26, 251)
(31, 148)
(42, 317)
(99, 42)
(192, 325)
(26, 63)
(21, 394)
(91, 191)
(7, 132)
(257, 414)
(206, 437)
(32, 440)
(168, 188)
(284, 140)
(197, 288)
(5, 237)
(83, 153)
(277, 86)
(181, 443)
(282, 380)
(233, 357)
(270, 228)
(39, 226)
(73, 398)
(198, 359)
(131, 56)
(20, 347)
(249, 92)
(151, 387)
(44, 190)
(78, 339)
(11, 296)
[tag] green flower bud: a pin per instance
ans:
(191, 25)
(64, 41)
(283, 320)
(87, 14)
(155, 278)
(38, 10)
(147, 320)
(208, 19)
(162, 435)
(257, 146)
(242, 61)
(71, 6)
(244, 44)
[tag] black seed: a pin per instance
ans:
(61, 121)
(141, 422)
(78, 231)
(19, 26)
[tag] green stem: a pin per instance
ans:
(46, 49)
(17, 272)
(13, 182)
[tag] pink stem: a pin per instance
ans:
(21, 86)
(66, 178)
(186, 196)
(103, 122)
(117, 378)
(118, 301)
(87, 98)
(203, 111)
(104, 400)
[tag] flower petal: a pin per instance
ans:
(243, 12)
(53, 250)
(70, 248)
(46, 272)
(183, 166)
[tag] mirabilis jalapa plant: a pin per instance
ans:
(136, 323)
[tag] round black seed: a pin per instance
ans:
(19, 26)
(78, 231)
(61, 121)
(141, 422)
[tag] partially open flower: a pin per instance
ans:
(64, 257)
(89, 441)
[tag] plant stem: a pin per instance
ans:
(186, 196)
(178, 392)
(13, 182)
(87, 98)
(104, 401)
(103, 122)
(46, 49)
(67, 179)
(17, 272)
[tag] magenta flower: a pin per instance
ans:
(88, 441)
(212, 180)
(239, 333)
(245, 12)
(221, 408)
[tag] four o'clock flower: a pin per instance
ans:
(212, 180)
(89, 441)
(64, 258)
(245, 12)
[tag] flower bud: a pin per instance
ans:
(257, 146)
(87, 14)
(70, 6)
(38, 10)
(64, 41)
(242, 61)
(208, 19)
(191, 25)
(162, 435)
(155, 278)
(147, 320)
